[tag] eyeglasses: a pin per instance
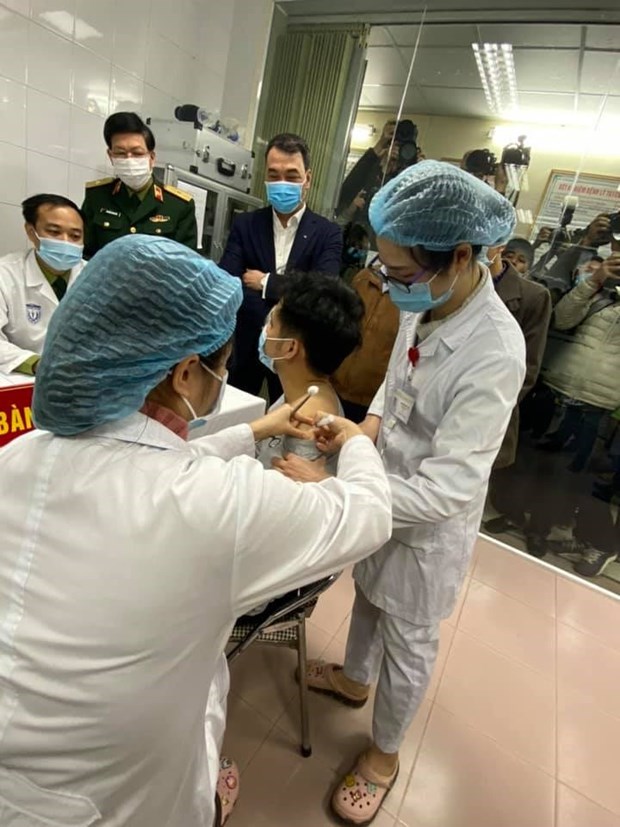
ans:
(402, 286)
(133, 153)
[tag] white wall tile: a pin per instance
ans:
(12, 112)
(13, 173)
(216, 46)
(50, 62)
(131, 35)
(12, 234)
(21, 6)
(159, 62)
(208, 88)
(13, 45)
(165, 18)
(156, 104)
(91, 82)
(94, 26)
(87, 147)
(47, 125)
(126, 92)
(62, 59)
(78, 176)
(45, 174)
(57, 15)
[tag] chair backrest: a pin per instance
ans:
(251, 626)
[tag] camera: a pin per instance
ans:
(406, 136)
(517, 155)
(480, 162)
(614, 224)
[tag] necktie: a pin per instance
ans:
(59, 286)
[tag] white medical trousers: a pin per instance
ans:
(400, 657)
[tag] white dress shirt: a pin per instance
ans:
(283, 240)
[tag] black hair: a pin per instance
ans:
(30, 207)
(442, 259)
(122, 123)
(326, 314)
(291, 144)
(354, 234)
(213, 360)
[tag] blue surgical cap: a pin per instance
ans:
(141, 306)
(438, 206)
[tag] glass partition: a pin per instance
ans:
(534, 110)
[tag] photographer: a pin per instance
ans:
(395, 150)
(559, 278)
(581, 367)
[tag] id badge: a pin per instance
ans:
(403, 405)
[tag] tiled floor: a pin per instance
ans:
(520, 727)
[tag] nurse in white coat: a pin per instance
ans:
(453, 379)
(32, 282)
(126, 553)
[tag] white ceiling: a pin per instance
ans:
(562, 70)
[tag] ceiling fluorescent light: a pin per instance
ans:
(525, 216)
(495, 63)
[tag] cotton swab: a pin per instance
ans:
(312, 391)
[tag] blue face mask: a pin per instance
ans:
(283, 196)
(419, 299)
(355, 254)
(59, 255)
(268, 361)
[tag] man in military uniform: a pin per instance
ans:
(132, 201)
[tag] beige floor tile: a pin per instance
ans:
(514, 629)
(280, 788)
(588, 749)
(246, 729)
(464, 779)
(589, 610)
(501, 698)
(576, 811)
(590, 668)
(517, 576)
(264, 675)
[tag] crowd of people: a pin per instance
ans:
(127, 552)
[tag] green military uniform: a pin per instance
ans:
(111, 211)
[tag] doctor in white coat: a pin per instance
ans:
(126, 553)
(453, 379)
(33, 282)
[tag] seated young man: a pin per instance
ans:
(316, 324)
(308, 334)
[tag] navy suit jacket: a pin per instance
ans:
(317, 247)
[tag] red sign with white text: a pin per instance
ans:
(15, 412)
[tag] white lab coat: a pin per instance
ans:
(125, 556)
(27, 302)
(464, 387)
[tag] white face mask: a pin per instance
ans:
(135, 173)
(196, 420)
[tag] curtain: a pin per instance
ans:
(306, 94)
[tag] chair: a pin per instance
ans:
(284, 622)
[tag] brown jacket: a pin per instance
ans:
(530, 304)
(361, 374)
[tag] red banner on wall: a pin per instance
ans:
(15, 412)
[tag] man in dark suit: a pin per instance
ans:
(266, 244)
(530, 304)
